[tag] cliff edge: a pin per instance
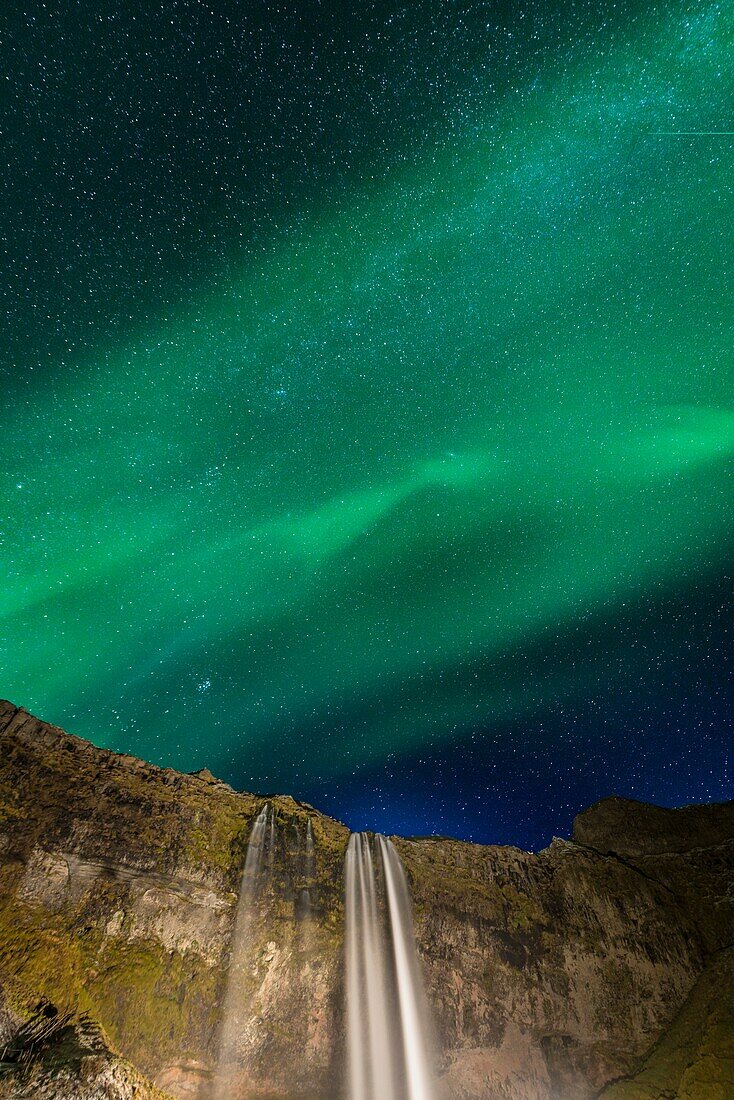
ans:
(596, 966)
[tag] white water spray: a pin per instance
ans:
(386, 1062)
(233, 1009)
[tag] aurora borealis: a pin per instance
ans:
(374, 443)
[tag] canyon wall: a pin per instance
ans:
(559, 975)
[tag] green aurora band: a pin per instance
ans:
(488, 400)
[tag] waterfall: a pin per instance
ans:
(387, 1016)
(306, 864)
(234, 1009)
(309, 874)
(271, 843)
(310, 852)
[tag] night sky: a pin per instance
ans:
(367, 375)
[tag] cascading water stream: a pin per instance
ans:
(271, 845)
(310, 852)
(387, 1015)
(309, 873)
(411, 995)
(263, 832)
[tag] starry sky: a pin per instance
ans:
(367, 374)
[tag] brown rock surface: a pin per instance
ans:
(694, 1059)
(690, 851)
(550, 974)
(57, 1056)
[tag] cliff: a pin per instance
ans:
(61, 1056)
(576, 971)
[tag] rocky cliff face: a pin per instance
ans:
(61, 1056)
(552, 975)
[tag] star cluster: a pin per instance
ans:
(368, 399)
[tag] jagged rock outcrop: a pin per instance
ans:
(551, 975)
(59, 1056)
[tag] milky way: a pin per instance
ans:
(419, 504)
